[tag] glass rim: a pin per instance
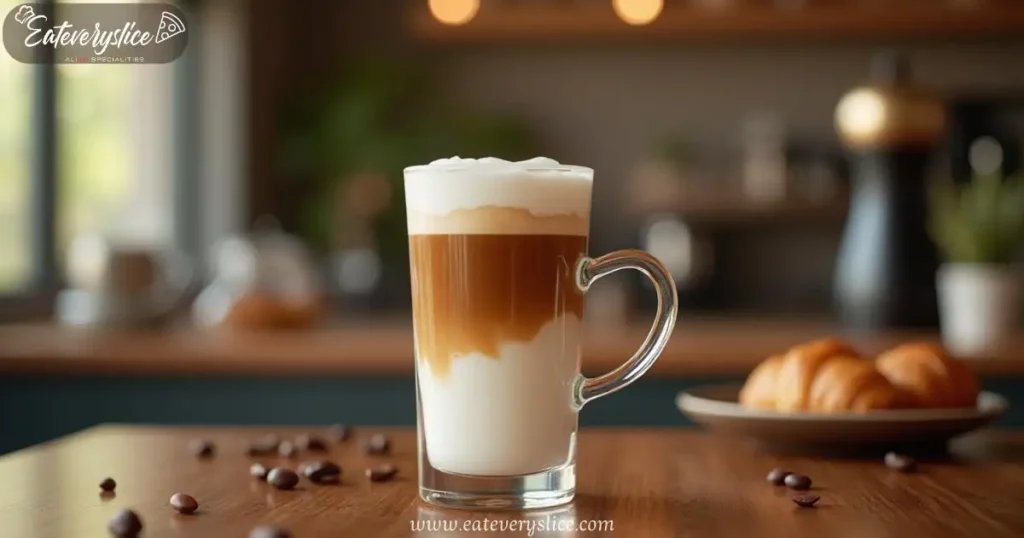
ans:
(585, 170)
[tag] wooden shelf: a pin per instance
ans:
(561, 21)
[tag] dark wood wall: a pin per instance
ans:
(294, 46)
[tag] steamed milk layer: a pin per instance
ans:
(496, 311)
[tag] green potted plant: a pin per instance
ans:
(979, 229)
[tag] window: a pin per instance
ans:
(132, 145)
(114, 172)
(114, 125)
(114, 143)
(16, 92)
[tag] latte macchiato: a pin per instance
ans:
(496, 310)
(499, 268)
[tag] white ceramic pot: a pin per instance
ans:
(980, 306)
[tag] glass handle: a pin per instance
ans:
(589, 270)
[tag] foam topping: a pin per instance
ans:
(491, 163)
(538, 187)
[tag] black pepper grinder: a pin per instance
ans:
(885, 273)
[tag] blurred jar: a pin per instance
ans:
(266, 280)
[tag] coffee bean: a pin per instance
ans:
(777, 476)
(108, 484)
(339, 433)
(269, 532)
(901, 463)
(282, 478)
(797, 481)
(381, 473)
(183, 503)
(125, 524)
(258, 471)
(201, 448)
(310, 443)
(805, 500)
(287, 450)
(322, 472)
(378, 445)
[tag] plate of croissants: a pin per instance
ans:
(824, 393)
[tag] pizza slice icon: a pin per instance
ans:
(170, 26)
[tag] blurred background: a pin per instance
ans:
(221, 239)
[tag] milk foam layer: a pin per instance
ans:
(506, 415)
(491, 195)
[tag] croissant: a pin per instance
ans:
(928, 376)
(825, 375)
(759, 390)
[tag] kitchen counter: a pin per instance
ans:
(699, 347)
(63, 380)
(631, 482)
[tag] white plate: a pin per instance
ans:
(716, 407)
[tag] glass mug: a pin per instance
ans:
(499, 267)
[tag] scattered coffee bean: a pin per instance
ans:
(287, 450)
(339, 433)
(805, 500)
(381, 473)
(201, 448)
(378, 445)
(797, 481)
(282, 478)
(125, 524)
(310, 443)
(269, 532)
(258, 471)
(183, 503)
(108, 484)
(901, 463)
(777, 476)
(322, 472)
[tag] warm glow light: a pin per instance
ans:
(861, 113)
(454, 12)
(638, 12)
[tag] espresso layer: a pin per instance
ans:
(471, 293)
(493, 220)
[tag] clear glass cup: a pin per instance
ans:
(499, 268)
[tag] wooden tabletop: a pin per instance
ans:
(652, 483)
(729, 347)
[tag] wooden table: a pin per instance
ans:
(656, 483)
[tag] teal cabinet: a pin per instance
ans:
(39, 408)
